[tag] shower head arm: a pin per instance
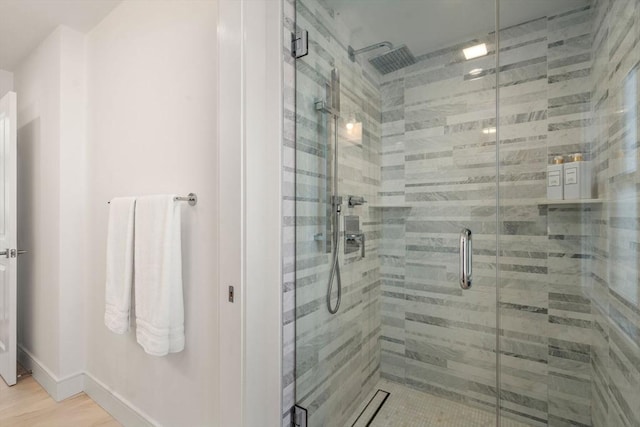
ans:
(353, 53)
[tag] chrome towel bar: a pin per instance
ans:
(192, 198)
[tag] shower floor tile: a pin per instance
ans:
(407, 407)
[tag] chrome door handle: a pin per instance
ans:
(12, 253)
(465, 258)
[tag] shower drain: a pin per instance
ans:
(370, 411)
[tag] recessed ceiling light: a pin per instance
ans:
(476, 71)
(475, 51)
(488, 131)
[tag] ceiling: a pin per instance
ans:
(428, 25)
(25, 23)
(423, 25)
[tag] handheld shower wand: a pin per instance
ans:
(333, 93)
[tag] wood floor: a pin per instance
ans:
(26, 404)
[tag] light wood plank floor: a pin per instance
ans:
(26, 404)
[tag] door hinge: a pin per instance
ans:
(300, 43)
(298, 416)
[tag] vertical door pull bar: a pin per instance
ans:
(465, 258)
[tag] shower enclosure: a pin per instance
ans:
(435, 282)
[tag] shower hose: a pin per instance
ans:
(335, 265)
(336, 205)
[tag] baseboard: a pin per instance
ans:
(61, 388)
(58, 388)
(117, 406)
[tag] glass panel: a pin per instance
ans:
(416, 132)
(568, 276)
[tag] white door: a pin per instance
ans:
(8, 231)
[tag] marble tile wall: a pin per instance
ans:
(569, 294)
(615, 293)
(335, 358)
(438, 175)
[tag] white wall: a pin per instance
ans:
(51, 96)
(6, 82)
(250, 141)
(151, 80)
(132, 108)
(37, 82)
(72, 198)
(263, 195)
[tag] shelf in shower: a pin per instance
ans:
(571, 202)
(390, 206)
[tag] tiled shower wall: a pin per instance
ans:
(615, 298)
(569, 293)
(438, 175)
(336, 356)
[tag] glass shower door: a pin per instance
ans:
(398, 109)
(414, 126)
(569, 289)
(337, 120)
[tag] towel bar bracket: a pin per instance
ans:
(192, 198)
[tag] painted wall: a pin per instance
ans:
(151, 84)
(51, 140)
(6, 82)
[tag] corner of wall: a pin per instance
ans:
(73, 199)
(6, 82)
(58, 388)
(115, 404)
(50, 84)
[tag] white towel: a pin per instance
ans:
(119, 264)
(158, 275)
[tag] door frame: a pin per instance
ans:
(250, 117)
(11, 169)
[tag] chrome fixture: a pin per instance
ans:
(331, 106)
(356, 201)
(335, 264)
(465, 258)
(353, 53)
(192, 198)
(395, 59)
(300, 43)
(12, 253)
(354, 239)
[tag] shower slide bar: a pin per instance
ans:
(192, 198)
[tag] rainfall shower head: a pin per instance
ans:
(393, 60)
(353, 53)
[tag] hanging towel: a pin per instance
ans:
(158, 275)
(119, 264)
